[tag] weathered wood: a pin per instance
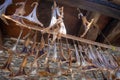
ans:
(103, 7)
(66, 36)
(114, 35)
(94, 28)
(115, 1)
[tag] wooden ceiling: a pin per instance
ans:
(107, 16)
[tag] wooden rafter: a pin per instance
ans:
(105, 7)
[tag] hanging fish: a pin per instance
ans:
(27, 42)
(33, 48)
(93, 57)
(42, 43)
(39, 52)
(99, 57)
(41, 48)
(117, 74)
(6, 66)
(59, 68)
(77, 55)
(61, 27)
(85, 22)
(69, 54)
(15, 46)
(62, 56)
(56, 22)
(116, 60)
(48, 52)
(88, 25)
(22, 67)
(21, 10)
(32, 16)
(53, 17)
(94, 74)
(34, 67)
(3, 8)
(55, 55)
(106, 63)
(83, 61)
(103, 75)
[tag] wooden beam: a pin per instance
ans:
(65, 36)
(114, 34)
(94, 28)
(115, 1)
(103, 7)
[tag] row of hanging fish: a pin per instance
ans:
(83, 58)
(56, 17)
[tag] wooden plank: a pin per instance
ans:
(106, 9)
(65, 36)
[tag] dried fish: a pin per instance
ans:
(69, 55)
(34, 67)
(60, 27)
(103, 75)
(100, 57)
(42, 43)
(22, 67)
(88, 25)
(27, 42)
(6, 66)
(59, 68)
(21, 10)
(54, 15)
(15, 46)
(48, 52)
(77, 54)
(33, 47)
(106, 62)
(62, 56)
(55, 55)
(32, 16)
(85, 22)
(39, 53)
(83, 61)
(111, 61)
(93, 57)
(117, 74)
(3, 8)
(94, 75)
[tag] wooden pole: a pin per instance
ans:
(65, 36)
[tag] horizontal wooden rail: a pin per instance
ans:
(65, 36)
